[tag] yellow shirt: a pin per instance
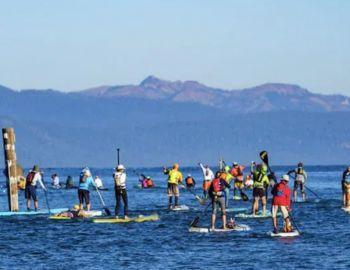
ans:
(174, 177)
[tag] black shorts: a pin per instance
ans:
(298, 184)
(259, 192)
(84, 195)
(30, 192)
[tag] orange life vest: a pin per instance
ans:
(189, 181)
(149, 183)
(206, 185)
(237, 172)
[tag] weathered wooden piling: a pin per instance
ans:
(9, 139)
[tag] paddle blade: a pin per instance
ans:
(264, 157)
(244, 196)
(107, 211)
(194, 222)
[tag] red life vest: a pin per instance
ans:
(30, 177)
(217, 185)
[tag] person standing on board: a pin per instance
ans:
(345, 185)
(174, 178)
(260, 182)
(119, 177)
(237, 173)
(85, 181)
(34, 176)
(208, 176)
(217, 195)
(300, 178)
(281, 200)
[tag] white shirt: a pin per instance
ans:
(38, 178)
(207, 173)
(120, 179)
(98, 182)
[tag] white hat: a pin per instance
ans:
(235, 163)
(120, 167)
(285, 177)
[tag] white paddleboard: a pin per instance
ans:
(180, 208)
(346, 209)
(268, 214)
(237, 228)
(236, 209)
(284, 234)
(237, 198)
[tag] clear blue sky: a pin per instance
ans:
(70, 45)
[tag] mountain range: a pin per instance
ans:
(159, 122)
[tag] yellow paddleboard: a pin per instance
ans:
(140, 218)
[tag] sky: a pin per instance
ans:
(72, 45)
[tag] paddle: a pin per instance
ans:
(46, 199)
(244, 196)
(200, 200)
(293, 222)
(265, 158)
(318, 197)
(105, 208)
(118, 156)
(196, 219)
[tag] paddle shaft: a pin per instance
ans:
(197, 197)
(118, 155)
(47, 201)
(309, 190)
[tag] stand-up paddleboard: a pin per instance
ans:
(284, 234)
(32, 213)
(139, 218)
(346, 209)
(180, 208)
(268, 214)
(87, 214)
(237, 198)
(237, 228)
(237, 210)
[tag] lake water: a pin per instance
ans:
(38, 243)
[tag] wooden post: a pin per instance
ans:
(9, 139)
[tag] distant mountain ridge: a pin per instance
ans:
(268, 97)
(262, 98)
(158, 122)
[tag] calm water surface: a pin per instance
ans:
(39, 243)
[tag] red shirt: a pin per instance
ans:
(281, 194)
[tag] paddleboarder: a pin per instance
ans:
(34, 176)
(174, 178)
(281, 200)
(300, 177)
(208, 176)
(190, 182)
(345, 184)
(217, 195)
(85, 181)
(260, 182)
(237, 173)
(119, 177)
